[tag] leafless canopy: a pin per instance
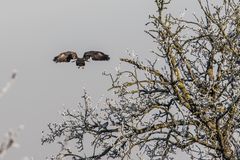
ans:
(187, 100)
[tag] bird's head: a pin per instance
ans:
(80, 62)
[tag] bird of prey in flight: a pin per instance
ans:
(70, 56)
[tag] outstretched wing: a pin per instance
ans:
(65, 56)
(60, 58)
(73, 55)
(96, 56)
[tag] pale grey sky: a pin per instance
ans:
(32, 32)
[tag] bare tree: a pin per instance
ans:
(186, 100)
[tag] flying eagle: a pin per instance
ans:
(96, 56)
(80, 62)
(65, 57)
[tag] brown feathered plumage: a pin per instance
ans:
(80, 62)
(65, 57)
(96, 56)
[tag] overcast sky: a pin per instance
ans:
(33, 32)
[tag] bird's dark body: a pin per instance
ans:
(80, 62)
